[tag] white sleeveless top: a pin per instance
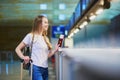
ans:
(39, 50)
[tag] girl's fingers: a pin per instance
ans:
(26, 59)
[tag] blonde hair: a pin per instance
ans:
(36, 22)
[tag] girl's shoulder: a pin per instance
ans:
(29, 35)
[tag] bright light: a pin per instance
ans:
(43, 6)
(100, 10)
(76, 30)
(62, 6)
(62, 17)
(92, 17)
(81, 26)
(44, 15)
(69, 37)
(85, 23)
(66, 32)
(71, 34)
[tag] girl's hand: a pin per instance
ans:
(26, 59)
(56, 47)
(52, 52)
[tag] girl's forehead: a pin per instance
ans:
(44, 18)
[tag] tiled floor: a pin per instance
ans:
(11, 71)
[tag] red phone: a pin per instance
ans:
(60, 41)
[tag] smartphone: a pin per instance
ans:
(60, 41)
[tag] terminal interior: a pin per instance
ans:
(91, 29)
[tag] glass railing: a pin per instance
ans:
(88, 64)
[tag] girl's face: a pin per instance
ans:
(44, 24)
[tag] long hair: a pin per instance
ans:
(35, 28)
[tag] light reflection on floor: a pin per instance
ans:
(11, 71)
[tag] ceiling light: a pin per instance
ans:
(85, 23)
(62, 6)
(71, 34)
(76, 30)
(100, 10)
(43, 6)
(44, 15)
(62, 17)
(81, 26)
(92, 17)
(69, 37)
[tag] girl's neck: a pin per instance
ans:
(38, 33)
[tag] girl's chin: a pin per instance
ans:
(46, 29)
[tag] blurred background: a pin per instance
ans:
(85, 24)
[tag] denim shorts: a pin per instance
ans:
(39, 73)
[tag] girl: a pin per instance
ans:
(41, 48)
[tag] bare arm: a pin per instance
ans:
(52, 52)
(19, 52)
(19, 48)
